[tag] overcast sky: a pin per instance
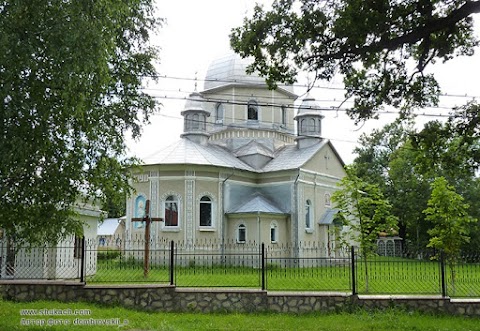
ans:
(196, 32)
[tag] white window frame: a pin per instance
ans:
(212, 211)
(308, 215)
(243, 227)
(274, 228)
(164, 205)
(219, 113)
(254, 104)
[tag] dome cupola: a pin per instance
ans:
(309, 122)
(195, 119)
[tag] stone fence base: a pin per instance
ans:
(166, 298)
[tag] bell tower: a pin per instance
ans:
(195, 119)
(309, 123)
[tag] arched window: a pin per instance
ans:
(171, 211)
(284, 116)
(196, 122)
(312, 125)
(302, 126)
(241, 233)
(308, 214)
(188, 122)
(252, 110)
(273, 232)
(205, 211)
(219, 113)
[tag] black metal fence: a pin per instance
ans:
(303, 266)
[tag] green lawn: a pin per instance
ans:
(385, 276)
(132, 320)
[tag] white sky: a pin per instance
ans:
(197, 32)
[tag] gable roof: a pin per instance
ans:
(257, 204)
(290, 157)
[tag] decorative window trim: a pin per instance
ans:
(311, 125)
(253, 111)
(274, 232)
(219, 113)
(308, 216)
(328, 199)
(213, 211)
(171, 228)
(241, 226)
(283, 115)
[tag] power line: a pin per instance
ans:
(292, 106)
(316, 86)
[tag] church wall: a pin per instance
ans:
(308, 234)
(318, 189)
(252, 228)
(281, 224)
(207, 186)
(326, 162)
(235, 105)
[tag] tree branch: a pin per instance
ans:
(470, 7)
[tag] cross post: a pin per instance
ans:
(147, 219)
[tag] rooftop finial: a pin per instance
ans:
(196, 72)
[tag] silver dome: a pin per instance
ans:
(232, 70)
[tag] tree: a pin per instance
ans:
(364, 210)
(403, 162)
(70, 84)
(453, 147)
(408, 190)
(387, 159)
(380, 47)
(449, 214)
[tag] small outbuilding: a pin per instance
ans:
(62, 261)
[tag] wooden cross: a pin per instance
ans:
(147, 219)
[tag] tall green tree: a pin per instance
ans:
(386, 158)
(70, 89)
(381, 47)
(365, 212)
(408, 190)
(403, 162)
(449, 214)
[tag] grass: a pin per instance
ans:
(393, 319)
(385, 276)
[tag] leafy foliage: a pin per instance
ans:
(365, 210)
(403, 162)
(449, 214)
(70, 79)
(380, 47)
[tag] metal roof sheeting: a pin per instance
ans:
(328, 217)
(186, 151)
(257, 204)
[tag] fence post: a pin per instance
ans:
(172, 262)
(354, 277)
(82, 261)
(263, 265)
(442, 274)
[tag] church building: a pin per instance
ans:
(248, 167)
